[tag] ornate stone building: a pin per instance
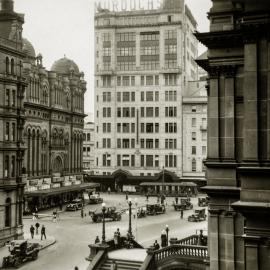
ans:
(12, 88)
(53, 133)
(41, 127)
(238, 160)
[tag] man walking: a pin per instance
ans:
(32, 231)
(43, 232)
(182, 213)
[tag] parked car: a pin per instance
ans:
(110, 213)
(185, 204)
(203, 202)
(20, 251)
(95, 199)
(199, 215)
(75, 205)
(141, 212)
(155, 209)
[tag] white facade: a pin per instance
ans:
(141, 69)
(88, 147)
(194, 130)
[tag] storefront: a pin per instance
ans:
(55, 197)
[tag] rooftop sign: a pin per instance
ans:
(127, 5)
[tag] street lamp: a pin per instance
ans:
(129, 227)
(167, 233)
(136, 216)
(103, 223)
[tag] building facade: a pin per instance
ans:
(88, 147)
(238, 155)
(144, 60)
(194, 130)
(12, 118)
(53, 132)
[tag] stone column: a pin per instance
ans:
(213, 117)
(229, 114)
(213, 238)
(250, 145)
(252, 252)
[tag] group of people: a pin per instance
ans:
(33, 230)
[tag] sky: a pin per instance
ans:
(66, 27)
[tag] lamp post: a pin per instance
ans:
(167, 234)
(129, 227)
(136, 216)
(103, 223)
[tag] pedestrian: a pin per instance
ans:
(182, 213)
(163, 239)
(37, 226)
(126, 196)
(43, 232)
(54, 216)
(176, 200)
(156, 245)
(109, 190)
(147, 196)
(32, 231)
(97, 241)
(82, 213)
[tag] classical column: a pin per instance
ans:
(229, 113)
(213, 116)
(213, 238)
(33, 156)
(252, 252)
(250, 145)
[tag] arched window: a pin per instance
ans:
(12, 67)
(13, 166)
(6, 166)
(7, 65)
(8, 213)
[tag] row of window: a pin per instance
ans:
(87, 137)
(194, 136)
(126, 127)
(194, 122)
(126, 112)
(149, 96)
(86, 150)
(126, 51)
(125, 96)
(145, 160)
(149, 111)
(194, 150)
(148, 80)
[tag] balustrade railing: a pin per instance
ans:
(189, 251)
(190, 240)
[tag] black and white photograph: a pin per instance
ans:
(135, 134)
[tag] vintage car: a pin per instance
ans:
(95, 198)
(185, 204)
(141, 212)
(155, 209)
(75, 205)
(110, 214)
(20, 251)
(199, 215)
(203, 202)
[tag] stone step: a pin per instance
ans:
(121, 265)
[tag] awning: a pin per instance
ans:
(184, 184)
(55, 191)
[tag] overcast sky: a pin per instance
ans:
(66, 27)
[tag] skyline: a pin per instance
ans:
(55, 31)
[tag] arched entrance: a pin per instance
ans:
(120, 179)
(57, 165)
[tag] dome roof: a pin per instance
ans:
(28, 48)
(64, 66)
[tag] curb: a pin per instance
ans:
(50, 244)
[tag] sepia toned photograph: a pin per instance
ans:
(135, 134)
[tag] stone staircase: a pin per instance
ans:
(121, 265)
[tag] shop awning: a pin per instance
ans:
(183, 184)
(60, 190)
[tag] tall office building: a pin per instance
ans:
(144, 60)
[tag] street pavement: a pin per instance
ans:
(73, 234)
